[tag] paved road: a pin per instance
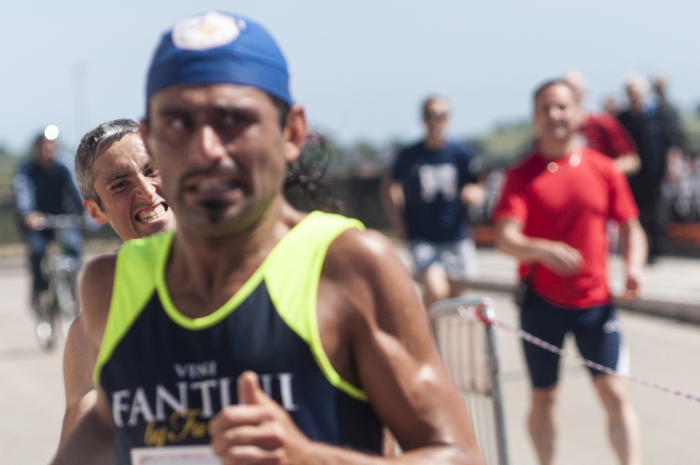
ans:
(31, 390)
(31, 384)
(664, 351)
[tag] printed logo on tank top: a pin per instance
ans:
(166, 410)
(438, 179)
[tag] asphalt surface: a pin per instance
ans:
(663, 350)
(671, 287)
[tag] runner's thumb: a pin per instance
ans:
(249, 390)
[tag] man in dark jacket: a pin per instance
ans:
(658, 135)
(44, 185)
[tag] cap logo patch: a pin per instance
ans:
(207, 31)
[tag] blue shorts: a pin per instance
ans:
(596, 330)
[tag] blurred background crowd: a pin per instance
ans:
(355, 170)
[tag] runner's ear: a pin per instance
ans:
(95, 211)
(294, 133)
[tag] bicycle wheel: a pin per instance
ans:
(67, 307)
(65, 296)
(45, 324)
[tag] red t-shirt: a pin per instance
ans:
(606, 135)
(569, 200)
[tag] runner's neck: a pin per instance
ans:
(213, 269)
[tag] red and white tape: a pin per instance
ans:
(484, 312)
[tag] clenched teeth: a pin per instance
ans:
(148, 216)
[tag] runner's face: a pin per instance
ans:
(436, 118)
(221, 153)
(129, 189)
(557, 115)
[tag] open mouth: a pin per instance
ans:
(152, 214)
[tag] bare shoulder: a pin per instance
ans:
(95, 293)
(374, 288)
(364, 258)
(365, 251)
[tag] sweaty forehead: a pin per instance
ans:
(123, 158)
(185, 97)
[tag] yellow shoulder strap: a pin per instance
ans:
(292, 272)
(138, 263)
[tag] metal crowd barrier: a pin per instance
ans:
(467, 343)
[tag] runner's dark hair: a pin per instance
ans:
(305, 184)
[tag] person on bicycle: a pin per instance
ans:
(44, 185)
(120, 186)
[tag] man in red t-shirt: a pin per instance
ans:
(552, 216)
(602, 132)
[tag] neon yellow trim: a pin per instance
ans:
(134, 285)
(197, 324)
(140, 271)
(294, 289)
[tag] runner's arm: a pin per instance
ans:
(629, 163)
(555, 255)
(375, 332)
(392, 355)
(92, 438)
(393, 201)
(634, 254)
(78, 364)
(472, 194)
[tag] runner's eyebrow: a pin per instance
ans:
(164, 112)
(223, 109)
(117, 176)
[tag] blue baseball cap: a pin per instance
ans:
(215, 48)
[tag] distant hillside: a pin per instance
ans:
(500, 147)
(691, 124)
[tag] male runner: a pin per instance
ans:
(430, 184)
(121, 187)
(320, 309)
(602, 132)
(119, 183)
(552, 216)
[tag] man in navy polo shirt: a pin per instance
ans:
(431, 183)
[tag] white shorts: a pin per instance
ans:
(458, 259)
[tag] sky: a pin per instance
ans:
(360, 67)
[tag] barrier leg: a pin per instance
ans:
(497, 396)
